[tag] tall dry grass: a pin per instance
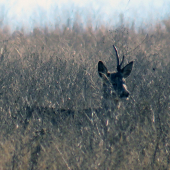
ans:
(50, 100)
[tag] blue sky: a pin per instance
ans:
(39, 13)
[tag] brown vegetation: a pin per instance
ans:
(50, 100)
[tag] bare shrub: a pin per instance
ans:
(50, 101)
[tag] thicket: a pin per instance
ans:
(50, 99)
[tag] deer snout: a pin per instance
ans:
(124, 94)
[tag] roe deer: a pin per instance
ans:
(114, 86)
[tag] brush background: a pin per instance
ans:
(50, 91)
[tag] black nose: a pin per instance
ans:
(124, 94)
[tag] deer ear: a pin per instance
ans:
(127, 69)
(102, 69)
(105, 79)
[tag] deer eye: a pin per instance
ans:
(114, 84)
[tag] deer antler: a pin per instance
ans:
(122, 61)
(117, 57)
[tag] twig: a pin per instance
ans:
(62, 157)
(138, 45)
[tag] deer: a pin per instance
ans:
(114, 85)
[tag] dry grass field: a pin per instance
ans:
(50, 100)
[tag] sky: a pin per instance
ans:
(51, 13)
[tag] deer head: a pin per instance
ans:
(114, 83)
